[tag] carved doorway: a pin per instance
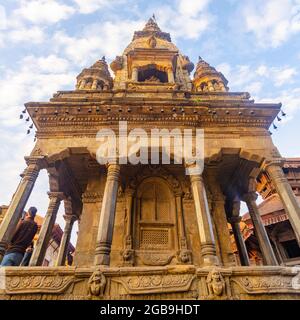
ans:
(155, 223)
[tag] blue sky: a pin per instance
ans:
(44, 44)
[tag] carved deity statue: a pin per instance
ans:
(215, 283)
(96, 284)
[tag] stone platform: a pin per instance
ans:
(178, 282)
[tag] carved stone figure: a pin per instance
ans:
(215, 283)
(96, 284)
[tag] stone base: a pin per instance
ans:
(176, 282)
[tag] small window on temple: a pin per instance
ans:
(152, 75)
(291, 248)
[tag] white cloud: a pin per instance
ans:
(289, 99)
(191, 8)
(26, 34)
(33, 81)
(91, 45)
(43, 11)
(187, 18)
(246, 77)
(49, 64)
(271, 21)
(89, 6)
(3, 20)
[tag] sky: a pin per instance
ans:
(44, 44)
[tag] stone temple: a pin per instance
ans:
(149, 231)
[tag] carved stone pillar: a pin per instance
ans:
(82, 84)
(219, 218)
(286, 194)
(259, 230)
(171, 76)
(18, 202)
(128, 252)
(210, 86)
(94, 84)
(207, 240)
(239, 240)
(41, 246)
(65, 240)
(184, 253)
(134, 76)
(107, 216)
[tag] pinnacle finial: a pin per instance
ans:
(153, 17)
(103, 58)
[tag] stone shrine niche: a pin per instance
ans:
(155, 228)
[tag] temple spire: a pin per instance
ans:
(151, 25)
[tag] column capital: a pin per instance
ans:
(250, 196)
(234, 219)
(129, 192)
(36, 160)
(56, 195)
(278, 162)
(70, 218)
(113, 171)
(196, 177)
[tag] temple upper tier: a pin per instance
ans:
(151, 59)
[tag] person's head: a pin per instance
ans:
(31, 213)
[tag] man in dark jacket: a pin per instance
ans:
(21, 239)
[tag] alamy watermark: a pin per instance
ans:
(162, 146)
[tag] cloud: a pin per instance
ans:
(186, 19)
(49, 64)
(90, 6)
(3, 20)
(289, 99)
(33, 81)
(247, 77)
(272, 21)
(43, 11)
(91, 45)
(33, 35)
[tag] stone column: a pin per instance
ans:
(134, 76)
(82, 84)
(107, 216)
(41, 246)
(94, 84)
(128, 252)
(259, 230)
(207, 241)
(171, 76)
(219, 218)
(286, 194)
(18, 202)
(239, 240)
(210, 86)
(65, 240)
(184, 253)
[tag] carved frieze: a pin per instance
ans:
(38, 284)
(156, 283)
(155, 258)
(92, 197)
(266, 284)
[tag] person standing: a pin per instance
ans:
(21, 240)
